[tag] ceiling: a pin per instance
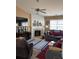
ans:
(53, 7)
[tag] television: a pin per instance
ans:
(21, 21)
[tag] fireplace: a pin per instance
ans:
(37, 33)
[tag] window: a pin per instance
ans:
(56, 24)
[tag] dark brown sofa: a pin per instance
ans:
(23, 49)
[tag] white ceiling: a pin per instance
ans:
(53, 7)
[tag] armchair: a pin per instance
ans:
(23, 49)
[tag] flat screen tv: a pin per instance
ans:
(20, 20)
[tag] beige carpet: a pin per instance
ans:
(35, 53)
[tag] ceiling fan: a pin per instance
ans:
(39, 10)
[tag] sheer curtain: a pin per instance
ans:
(56, 24)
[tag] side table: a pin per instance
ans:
(51, 43)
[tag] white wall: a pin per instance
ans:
(39, 18)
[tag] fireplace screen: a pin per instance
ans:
(37, 32)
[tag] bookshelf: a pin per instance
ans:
(21, 24)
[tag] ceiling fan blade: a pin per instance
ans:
(39, 10)
(42, 11)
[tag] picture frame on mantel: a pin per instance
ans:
(37, 23)
(34, 23)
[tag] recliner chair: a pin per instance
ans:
(23, 49)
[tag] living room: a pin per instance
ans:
(41, 26)
(32, 44)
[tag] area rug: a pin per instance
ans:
(41, 55)
(34, 41)
(40, 45)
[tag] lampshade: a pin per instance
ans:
(46, 26)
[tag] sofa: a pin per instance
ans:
(53, 35)
(23, 49)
